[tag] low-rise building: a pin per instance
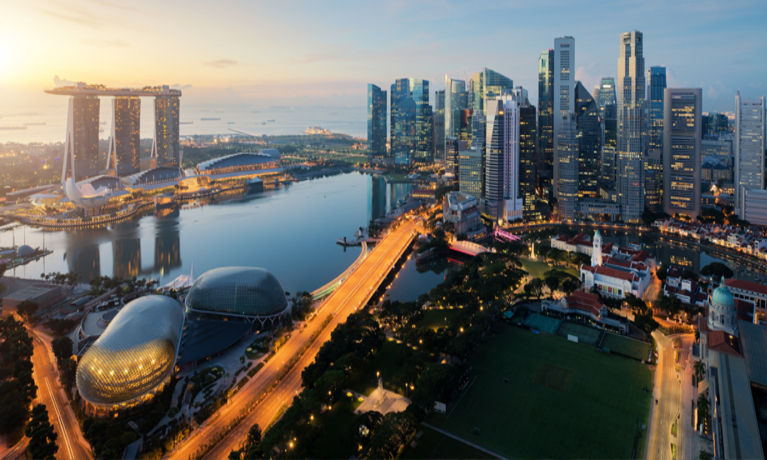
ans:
(587, 305)
(44, 295)
(462, 211)
(754, 293)
(625, 271)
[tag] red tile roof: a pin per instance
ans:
(614, 273)
(723, 343)
(585, 301)
(747, 286)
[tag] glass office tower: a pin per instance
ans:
(656, 78)
(411, 122)
(376, 122)
(683, 132)
(527, 161)
(606, 94)
(749, 147)
(495, 84)
(545, 160)
(166, 113)
(589, 142)
(455, 102)
(439, 126)
(568, 167)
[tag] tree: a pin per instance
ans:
(27, 310)
(42, 438)
(59, 326)
(535, 288)
(552, 282)
(330, 385)
(717, 270)
(703, 455)
(62, 348)
(3, 267)
(569, 285)
(700, 370)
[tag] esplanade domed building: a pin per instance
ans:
(154, 336)
(134, 358)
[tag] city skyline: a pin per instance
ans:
(213, 68)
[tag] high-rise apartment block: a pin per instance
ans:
(564, 93)
(376, 122)
(682, 132)
(749, 147)
(631, 100)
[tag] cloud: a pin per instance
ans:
(179, 86)
(114, 5)
(585, 78)
(80, 19)
(221, 63)
(58, 82)
(104, 43)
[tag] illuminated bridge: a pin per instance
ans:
(469, 248)
(328, 289)
(501, 234)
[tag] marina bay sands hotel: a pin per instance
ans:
(123, 154)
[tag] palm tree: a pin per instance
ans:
(700, 370)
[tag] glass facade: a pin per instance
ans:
(376, 122)
(135, 356)
(656, 77)
(412, 122)
(439, 126)
(589, 142)
(237, 291)
(568, 167)
(455, 103)
(495, 84)
(527, 160)
(126, 135)
(545, 159)
(749, 146)
(470, 168)
(606, 94)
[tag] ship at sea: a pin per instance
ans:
(190, 122)
(210, 118)
(36, 123)
(12, 128)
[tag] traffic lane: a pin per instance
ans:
(267, 376)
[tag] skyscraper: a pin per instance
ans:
(494, 84)
(502, 159)
(82, 141)
(568, 166)
(125, 141)
(439, 126)
(166, 117)
(682, 132)
(453, 147)
(749, 147)
(606, 94)
(545, 119)
(631, 98)
(376, 122)
(656, 77)
(589, 142)
(470, 168)
(411, 121)
(455, 102)
(609, 143)
(527, 161)
(564, 92)
(476, 93)
(595, 93)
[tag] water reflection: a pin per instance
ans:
(167, 243)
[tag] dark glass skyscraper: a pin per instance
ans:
(610, 143)
(656, 79)
(527, 161)
(545, 160)
(494, 84)
(589, 137)
(606, 94)
(376, 122)
(439, 126)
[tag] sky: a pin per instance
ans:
(230, 52)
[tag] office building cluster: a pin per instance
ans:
(629, 147)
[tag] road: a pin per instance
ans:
(354, 293)
(672, 404)
(71, 444)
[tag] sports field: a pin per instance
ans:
(562, 400)
(633, 348)
(536, 269)
(542, 323)
(585, 334)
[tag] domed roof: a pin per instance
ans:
(134, 355)
(25, 251)
(247, 291)
(722, 297)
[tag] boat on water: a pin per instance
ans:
(190, 122)
(36, 123)
(229, 122)
(210, 118)
(12, 128)
(270, 121)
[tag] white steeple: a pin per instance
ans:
(596, 254)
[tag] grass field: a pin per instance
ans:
(585, 334)
(436, 445)
(628, 347)
(542, 323)
(536, 269)
(563, 400)
(435, 319)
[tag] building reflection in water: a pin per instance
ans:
(126, 250)
(82, 255)
(384, 196)
(167, 242)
